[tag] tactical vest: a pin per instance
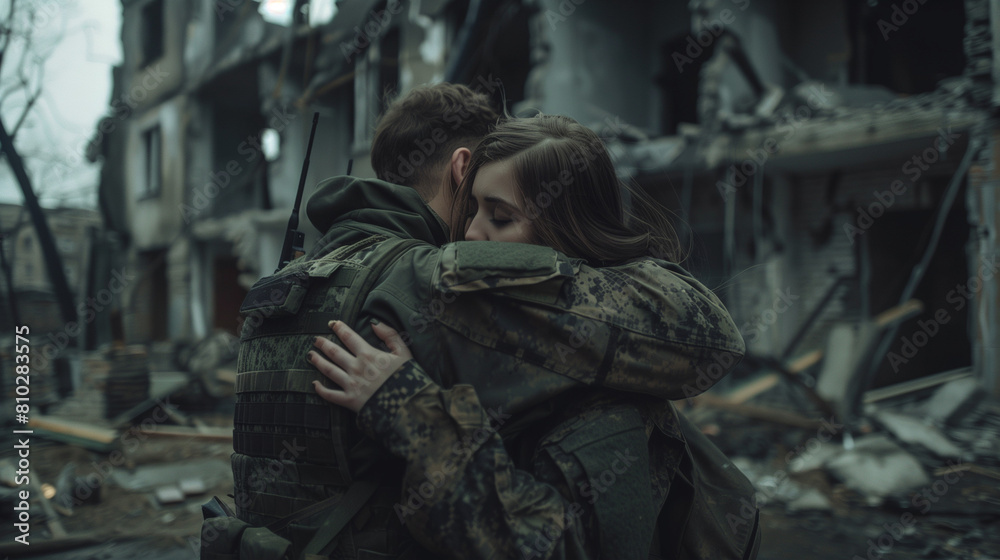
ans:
(293, 450)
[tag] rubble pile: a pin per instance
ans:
(120, 468)
(917, 475)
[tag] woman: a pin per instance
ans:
(546, 181)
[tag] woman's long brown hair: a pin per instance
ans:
(571, 193)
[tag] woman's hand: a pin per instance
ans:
(360, 372)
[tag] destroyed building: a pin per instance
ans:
(824, 159)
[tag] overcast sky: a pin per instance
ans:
(83, 41)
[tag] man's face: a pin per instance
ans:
(498, 213)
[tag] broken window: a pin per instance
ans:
(940, 333)
(149, 311)
(227, 294)
(152, 32)
(239, 170)
(376, 82)
(679, 88)
(907, 47)
(153, 163)
(500, 51)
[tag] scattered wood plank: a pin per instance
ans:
(202, 433)
(970, 467)
(753, 388)
(88, 436)
(804, 362)
(776, 416)
(898, 313)
(226, 375)
(765, 382)
(915, 385)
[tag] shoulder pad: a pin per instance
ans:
(468, 266)
(282, 293)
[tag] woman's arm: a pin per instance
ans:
(461, 494)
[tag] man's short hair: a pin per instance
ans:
(418, 132)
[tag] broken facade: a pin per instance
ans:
(809, 151)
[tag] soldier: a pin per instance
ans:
(475, 501)
(508, 333)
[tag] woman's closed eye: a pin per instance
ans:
(501, 215)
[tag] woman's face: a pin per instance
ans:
(497, 213)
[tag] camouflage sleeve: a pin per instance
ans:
(522, 323)
(462, 497)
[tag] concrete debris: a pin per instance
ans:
(776, 487)
(814, 457)
(208, 471)
(192, 486)
(771, 484)
(169, 495)
(954, 400)
(878, 467)
(838, 364)
(810, 499)
(915, 431)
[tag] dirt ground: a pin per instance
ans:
(132, 524)
(125, 523)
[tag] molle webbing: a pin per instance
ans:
(291, 447)
(316, 323)
(290, 381)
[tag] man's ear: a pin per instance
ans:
(459, 164)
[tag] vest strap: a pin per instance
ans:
(355, 498)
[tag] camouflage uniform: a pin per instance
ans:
(510, 337)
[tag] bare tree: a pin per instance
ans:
(17, 35)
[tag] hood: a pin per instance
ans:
(345, 208)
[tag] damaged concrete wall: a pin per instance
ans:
(147, 81)
(596, 49)
(983, 199)
(829, 158)
(155, 219)
(982, 48)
